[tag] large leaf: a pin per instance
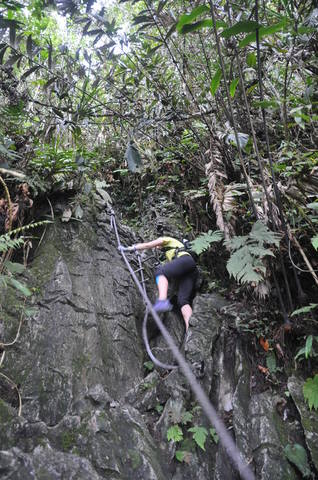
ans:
(199, 435)
(20, 286)
(313, 205)
(189, 17)
(14, 267)
(263, 32)
(262, 233)
(251, 59)
(215, 82)
(310, 391)
(243, 139)
(192, 27)
(308, 346)
(233, 86)
(305, 309)
(133, 158)
(314, 242)
(297, 455)
(245, 26)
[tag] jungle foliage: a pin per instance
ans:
(212, 102)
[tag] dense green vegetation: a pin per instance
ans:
(213, 105)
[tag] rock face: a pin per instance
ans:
(91, 410)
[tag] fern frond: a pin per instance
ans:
(246, 263)
(203, 242)
(6, 242)
(27, 227)
(263, 234)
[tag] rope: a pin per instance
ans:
(202, 398)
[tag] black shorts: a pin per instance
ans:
(184, 270)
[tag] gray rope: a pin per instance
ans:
(155, 360)
(202, 398)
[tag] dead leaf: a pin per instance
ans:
(263, 369)
(78, 213)
(187, 457)
(264, 343)
(67, 214)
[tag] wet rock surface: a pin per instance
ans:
(91, 410)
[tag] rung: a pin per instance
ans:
(149, 258)
(138, 270)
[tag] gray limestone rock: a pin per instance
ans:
(92, 411)
(309, 418)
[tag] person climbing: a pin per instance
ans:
(180, 266)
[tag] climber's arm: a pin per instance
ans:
(146, 245)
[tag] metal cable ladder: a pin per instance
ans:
(202, 398)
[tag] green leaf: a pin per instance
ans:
(192, 27)
(310, 391)
(305, 309)
(251, 60)
(266, 104)
(180, 455)
(263, 32)
(314, 242)
(215, 82)
(186, 417)
(245, 26)
(14, 267)
(271, 362)
(313, 205)
(149, 365)
(174, 433)
(159, 408)
(243, 139)
(20, 286)
(133, 158)
(262, 233)
(233, 86)
(199, 435)
(30, 312)
(214, 435)
(300, 353)
(308, 346)
(297, 455)
(189, 17)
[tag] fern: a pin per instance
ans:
(310, 391)
(246, 261)
(10, 269)
(174, 433)
(6, 243)
(203, 242)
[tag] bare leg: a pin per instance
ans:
(162, 284)
(186, 311)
